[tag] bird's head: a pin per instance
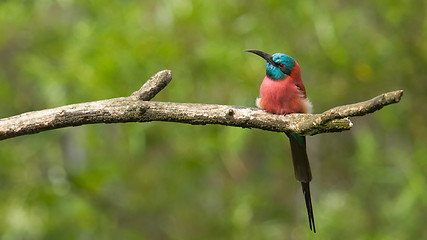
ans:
(278, 65)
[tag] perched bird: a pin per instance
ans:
(283, 92)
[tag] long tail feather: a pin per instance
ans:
(307, 196)
(302, 172)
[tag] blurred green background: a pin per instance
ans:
(175, 181)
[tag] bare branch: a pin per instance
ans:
(136, 108)
(353, 110)
(153, 86)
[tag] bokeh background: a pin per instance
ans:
(175, 181)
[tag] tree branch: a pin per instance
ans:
(137, 108)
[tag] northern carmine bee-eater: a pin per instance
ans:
(283, 92)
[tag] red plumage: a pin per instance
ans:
(284, 96)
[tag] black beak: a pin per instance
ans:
(269, 59)
(264, 55)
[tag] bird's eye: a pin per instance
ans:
(280, 65)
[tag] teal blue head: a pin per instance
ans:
(278, 66)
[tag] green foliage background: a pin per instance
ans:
(174, 181)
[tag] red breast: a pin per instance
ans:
(286, 95)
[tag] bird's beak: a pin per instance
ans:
(264, 55)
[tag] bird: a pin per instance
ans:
(282, 92)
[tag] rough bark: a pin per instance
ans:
(138, 108)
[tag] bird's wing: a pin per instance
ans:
(301, 87)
